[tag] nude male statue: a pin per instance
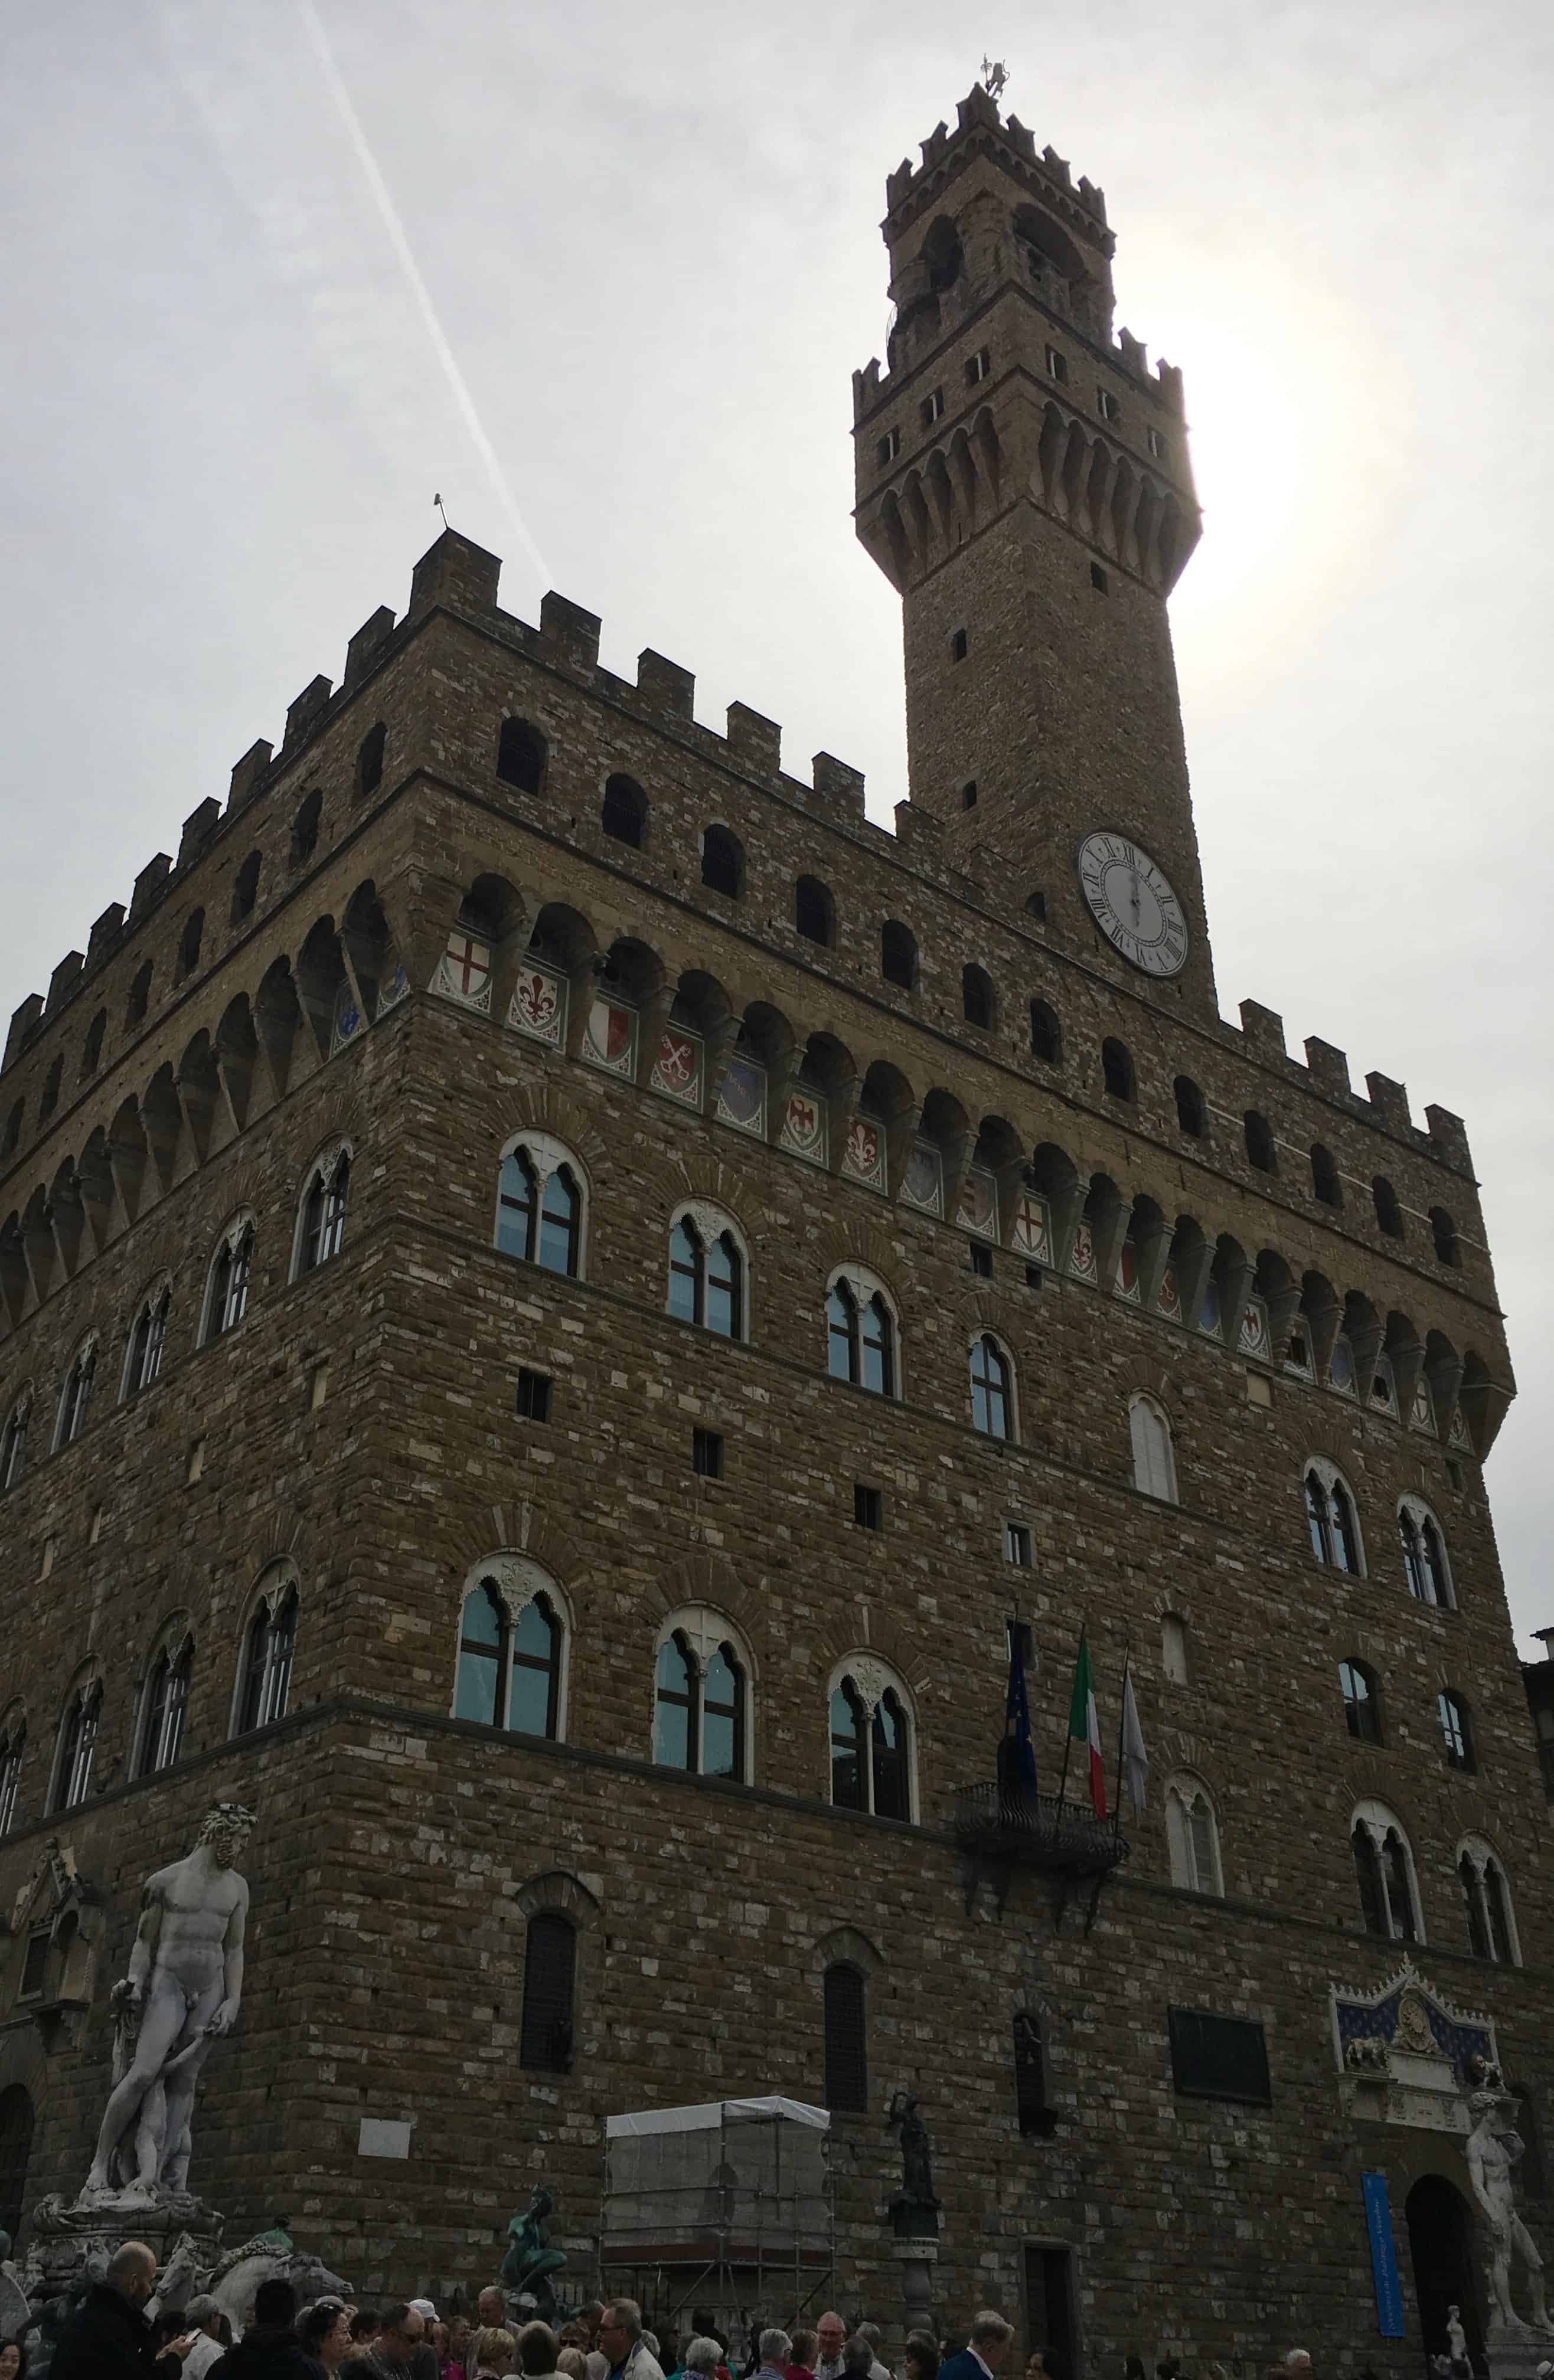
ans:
(1492, 2149)
(182, 1992)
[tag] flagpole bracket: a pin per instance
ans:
(1003, 1832)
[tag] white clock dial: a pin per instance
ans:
(1133, 904)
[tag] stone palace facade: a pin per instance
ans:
(561, 1294)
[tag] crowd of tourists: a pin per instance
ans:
(120, 2333)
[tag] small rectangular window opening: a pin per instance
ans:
(1057, 365)
(868, 1505)
(1157, 443)
(196, 1461)
(968, 794)
(979, 366)
(35, 1966)
(933, 409)
(981, 1262)
(960, 645)
(1098, 578)
(889, 447)
(319, 1387)
(534, 1395)
(1016, 1547)
(1107, 406)
(706, 1453)
(1033, 1276)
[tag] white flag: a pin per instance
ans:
(1135, 1758)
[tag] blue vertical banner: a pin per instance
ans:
(1383, 2256)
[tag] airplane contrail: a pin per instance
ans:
(383, 201)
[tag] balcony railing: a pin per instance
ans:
(1004, 1830)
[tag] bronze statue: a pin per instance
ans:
(530, 2259)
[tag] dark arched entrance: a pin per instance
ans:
(1440, 2244)
(16, 2148)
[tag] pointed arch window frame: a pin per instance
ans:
(267, 1651)
(1426, 1563)
(1333, 1519)
(75, 1743)
(1192, 1836)
(323, 1207)
(518, 1585)
(994, 1404)
(712, 1276)
(866, 1686)
(1391, 1866)
(1491, 1917)
(529, 1163)
(163, 1709)
(863, 1332)
(229, 1279)
(703, 1637)
(75, 1395)
(146, 1341)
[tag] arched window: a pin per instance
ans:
(13, 1744)
(1034, 2114)
(1486, 1904)
(1384, 1872)
(269, 1641)
(539, 1205)
(977, 997)
(510, 1650)
(520, 756)
(10, 1133)
(545, 2028)
(860, 1333)
(898, 954)
(701, 1696)
(1154, 1461)
(321, 1223)
(305, 828)
(1424, 1555)
(91, 1050)
(624, 813)
(1456, 1728)
(707, 1273)
(993, 1402)
(48, 1099)
(245, 887)
(723, 862)
(1192, 1116)
(1045, 1033)
(1443, 1232)
(1389, 1214)
(1173, 1648)
(76, 1395)
(226, 1291)
(13, 1443)
(140, 995)
(1192, 1836)
(846, 2038)
(1362, 1702)
(870, 1741)
(369, 760)
(814, 917)
(77, 1745)
(1116, 1069)
(1260, 1151)
(147, 1337)
(1330, 1513)
(163, 1704)
(190, 940)
(1325, 1183)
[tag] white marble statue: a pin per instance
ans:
(1456, 2337)
(1492, 2148)
(182, 1992)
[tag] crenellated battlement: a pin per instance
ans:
(977, 116)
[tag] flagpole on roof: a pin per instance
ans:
(1122, 1722)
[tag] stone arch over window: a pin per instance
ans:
(1389, 1213)
(1361, 1689)
(48, 1099)
(561, 1916)
(163, 1698)
(813, 912)
(1192, 1112)
(898, 954)
(722, 861)
(92, 1048)
(75, 1750)
(226, 1283)
(703, 1694)
(13, 1438)
(708, 1269)
(994, 1412)
(863, 1331)
(979, 1001)
(262, 1689)
(1046, 1033)
(320, 1231)
(1175, 1648)
(520, 756)
(844, 1997)
(873, 1738)
(139, 1000)
(75, 1393)
(623, 813)
(1332, 1523)
(543, 1203)
(1385, 1873)
(369, 760)
(1154, 1457)
(1118, 1078)
(1325, 1184)
(1193, 1835)
(1261, 1153)
(13, 1749)
(190, 940)
(1425, 1565)
(1443, 1232)
(514, 1640)
(1491, 1921)
(1455, 1715)
(146, 1340)
(305, 828)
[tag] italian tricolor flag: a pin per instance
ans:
(1084, 1727)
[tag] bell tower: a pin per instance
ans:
(1022, 481)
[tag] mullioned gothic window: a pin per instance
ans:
(13, 1443)
(1192, 1836)
(1424, 1554)
(147, 1338)
(1362, 1701)
(164, 1703)
(1384, 1872)
(871, 1747)
(512, 1643)
(226, 1291)
(701, 1696)
(13, 1744)
(861, 1333)
(75, 1397)
(541, 1204)
(322, 1222)
(269, 1644)
(1329, 1514)
(1486, 1904)
(78, 1744)
(707, 1272)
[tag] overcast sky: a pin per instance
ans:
(646, 244)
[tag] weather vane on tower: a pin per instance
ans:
(995, 74)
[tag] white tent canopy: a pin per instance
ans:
(712, 2114)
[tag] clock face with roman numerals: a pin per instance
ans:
(1133, 904)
